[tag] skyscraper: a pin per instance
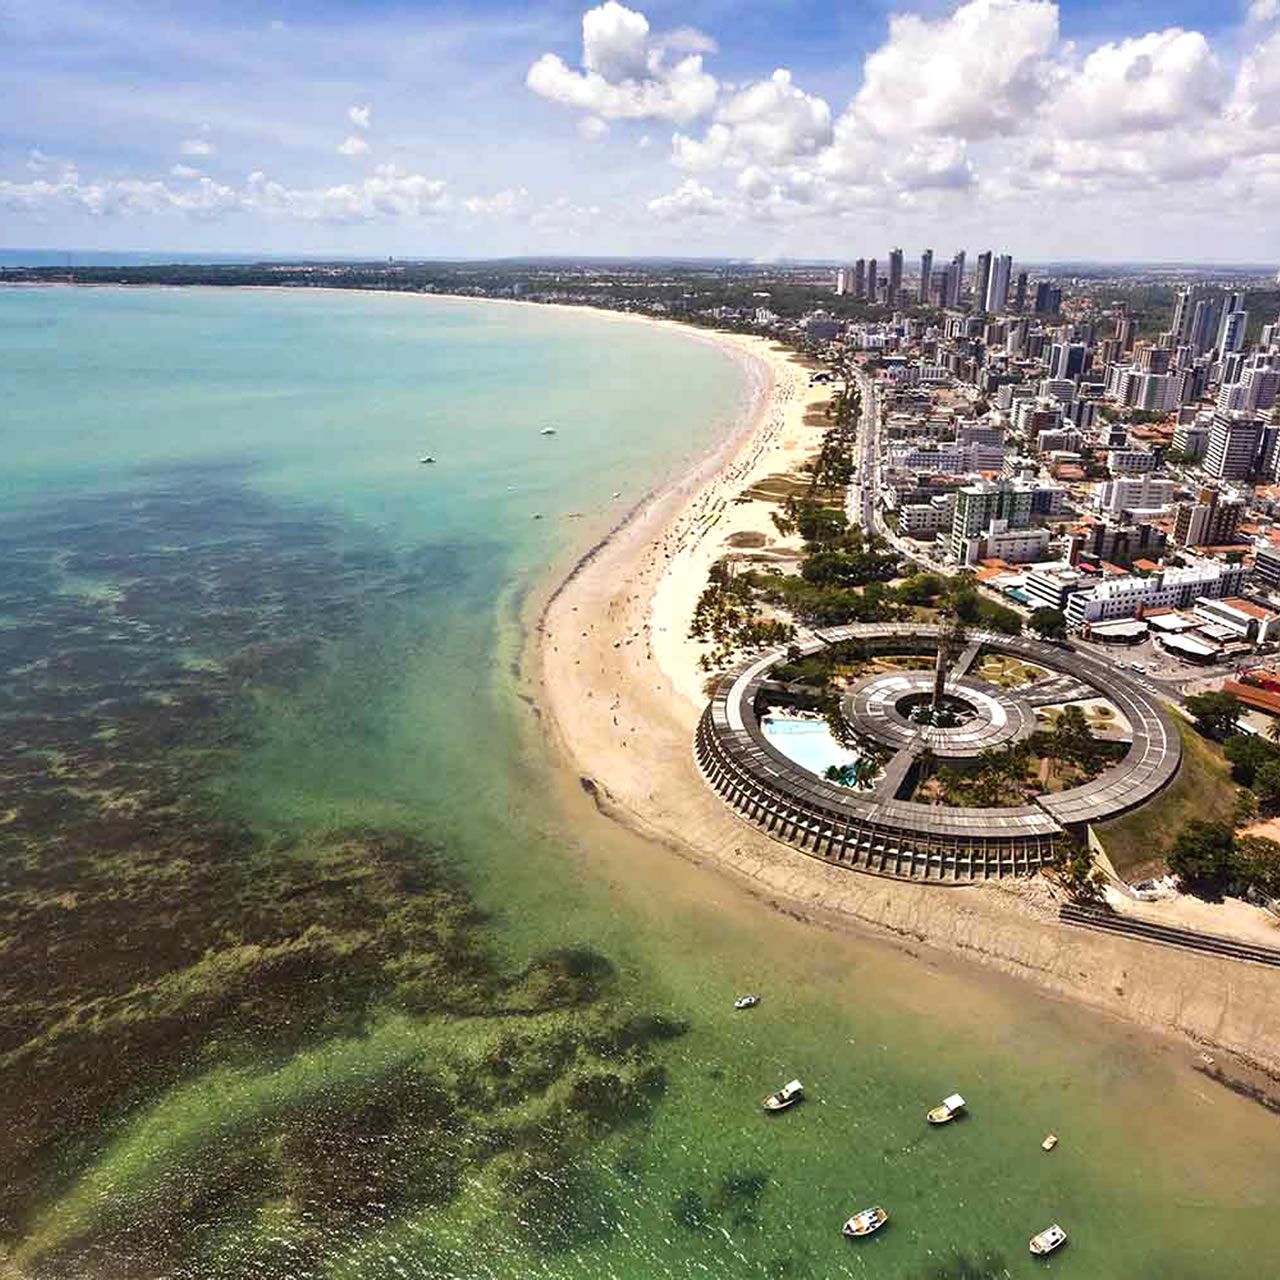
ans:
(926, 274)
(895, 277)
(1234, 324)
(860, 278)
(873, 280)
(1020, 292)
(1233, 441)
(982, 280)
(1181, 316)
(1203, 332)
(998, 289)
(957, 280)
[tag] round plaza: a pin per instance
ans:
(949, 712)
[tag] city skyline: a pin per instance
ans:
(701, 129)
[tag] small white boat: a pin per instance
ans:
(547, 431)
(1050, 1141)
(1048, 1240)
(427, 458)
(746, 1002)
(947, 1110)
(787, 1096)
(864, 1223)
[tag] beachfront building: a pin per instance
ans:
(1130, 595)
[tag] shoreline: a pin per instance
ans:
(641, 774)
(619, 701)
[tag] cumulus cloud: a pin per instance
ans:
(626, 72)
(689, 200)
(1154, 82)
(361, 117)
(184, 172)
(1256, 98)
(353, 145)
(197, 147)
(977, 73)
(388, 194)
(771, 121)
(1261, 11)
(498, 205)
(592, 128)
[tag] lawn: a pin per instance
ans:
(1136, 843)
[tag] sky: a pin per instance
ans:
(757, 129)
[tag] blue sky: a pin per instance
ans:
(762, 129)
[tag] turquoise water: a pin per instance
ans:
(806, 741)
(237, 616)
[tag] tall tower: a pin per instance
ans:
(873, 280)
(957, 280)
(926, 275)
(998, 290)
(1020, 292)
(860, 279)
(895, 277)
(982, 280)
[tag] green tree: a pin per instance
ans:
(1217, 714)
(1257, 863)
(1202, 856)
(1048, 623)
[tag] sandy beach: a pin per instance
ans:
(621, 689)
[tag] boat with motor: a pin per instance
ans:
(746, 1002)
(1048, 1240)
(787, 1096)
(865, 1223)
(1050, 1141)
(547, 431)
(946, 1110)
(426, 459)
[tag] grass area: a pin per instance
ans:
(1137, 842)
(1008, 673)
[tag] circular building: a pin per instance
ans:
(953, 716)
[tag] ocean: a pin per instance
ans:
(315, 965)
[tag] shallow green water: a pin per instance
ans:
(226, 576)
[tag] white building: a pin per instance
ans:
(1233, 443)
(1125, 493)
(1127, 595)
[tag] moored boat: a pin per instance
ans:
(1050, 1141)
(547, 431)
(746, 1002)
(426, 458)
(787, 1096)
(946, 1110)
(865, 1222)
(1048, 1240)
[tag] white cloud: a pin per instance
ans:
(353, 145)
(592, 128)
(1261, 11)
(771, 121)
(498, 205)
(625, 72)
(184, 172)
(938, 163)
(689, 200)
(1256, 99)
(197, 147)
(978, 73)
(361, 117)
(388, 194)
(1154, 82)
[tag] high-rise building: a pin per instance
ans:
(957, 280)
(1181, 325)
(894, 293)
(1231, 337)
(873, 281)
(1203, 331)
(998, 289)
(1020, 292)
(982, 280)
(1048, 299)
(842, 283)
(1233, 443)
(1068, 359)
(1210, 521)
(1126, 331)
(926, 274)
(860, 278)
